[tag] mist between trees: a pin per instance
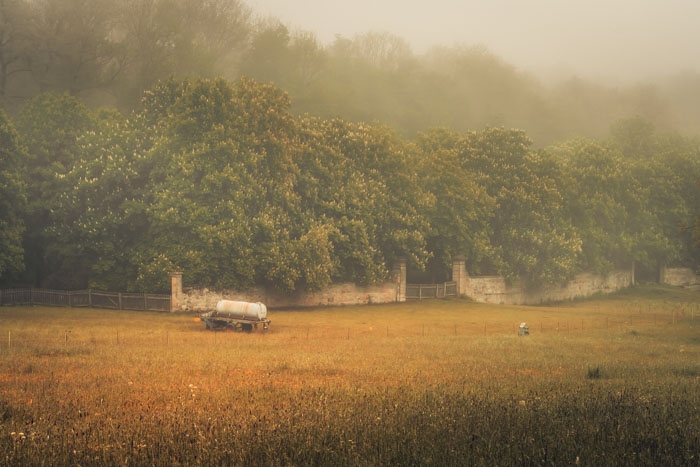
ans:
(123, 157)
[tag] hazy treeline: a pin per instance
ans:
(108, 52)
(222, 181)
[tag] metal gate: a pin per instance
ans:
(423, 291)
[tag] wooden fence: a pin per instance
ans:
(422, 291)
(85, 298)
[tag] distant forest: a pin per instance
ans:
(145, 136)
(108, 52)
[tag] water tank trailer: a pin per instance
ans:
(236, 316)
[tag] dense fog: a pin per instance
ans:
(553, 69)
(620, 41)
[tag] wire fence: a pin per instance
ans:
(85, 298)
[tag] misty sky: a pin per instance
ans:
(611, 39)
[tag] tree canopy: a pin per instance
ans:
(221, 180)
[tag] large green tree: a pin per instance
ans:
(461, 212)
(665, 169)
(101, 217)
(531, 235)
(343, 187)
(599, 188)
(632, 198)
(49, 127)
(224, 205)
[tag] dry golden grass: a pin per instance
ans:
(602, 382)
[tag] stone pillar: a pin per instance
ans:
(460, 276)
(176, 294)
(399, 277)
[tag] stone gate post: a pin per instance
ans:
(176, 294)
(399, 277)
(459, 275)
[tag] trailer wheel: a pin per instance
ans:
(247, 327)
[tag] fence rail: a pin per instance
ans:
(85, 298)
(422, 291)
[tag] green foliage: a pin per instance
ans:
(229, 183)
(461, 212)
(220, 180)
(243, 194)
(633, 198)
(234, 155)
(530, 233)
(50, 126)
(101, 220)
(599, 190)
(670, 177)
(336, 191)
(384, 193)
(214, 187)
(12, 200)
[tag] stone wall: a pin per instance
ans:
(684, 277)
(201, 300)
(486, 289)
(493, 289)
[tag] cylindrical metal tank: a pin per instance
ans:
(242, 310)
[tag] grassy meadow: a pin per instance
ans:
(610, 381)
